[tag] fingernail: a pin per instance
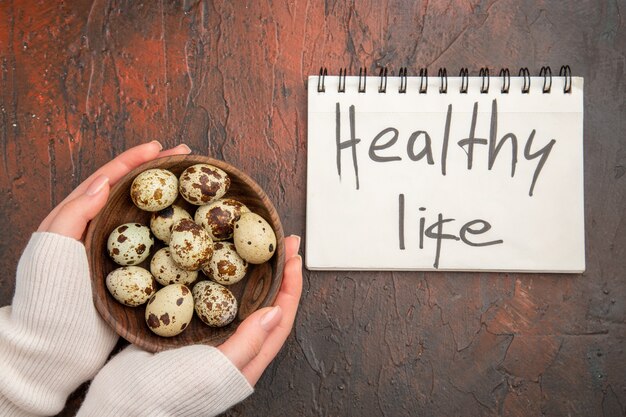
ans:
(297, 237)
(185, 147)
(158, 143)
(270, 319)
(97, 185)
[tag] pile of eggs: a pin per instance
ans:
(220, 240)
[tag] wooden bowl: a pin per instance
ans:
(258, 289)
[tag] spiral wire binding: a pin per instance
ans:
(484, 75)
(342, 80)
(320, 81)
(383, 80)
(464, 74)
(362, 76)
(506, 80)
(545, 72)
(423, 80)
(443, 78)
(402, 75)
(523, 72)
(566, 72)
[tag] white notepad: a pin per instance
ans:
(390, 187)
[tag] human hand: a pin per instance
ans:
(259, 338)
(50, 358)
(71, 216)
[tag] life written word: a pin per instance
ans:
(419, 147)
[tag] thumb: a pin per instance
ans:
(246, 343)
(72, 218)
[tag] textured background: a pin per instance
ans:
(81, 81)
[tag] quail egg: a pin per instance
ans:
(214, 303)
(170, 310)
(203, 183)
(161, 221)
(191, 246)
(254, 238)
(166, 272)
(130, 244)
(226, 266)
(218, 218)
(154, 189)
(130, 285)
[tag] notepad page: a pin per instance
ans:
(456, 181)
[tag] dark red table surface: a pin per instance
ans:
(82, 81)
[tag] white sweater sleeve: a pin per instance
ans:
(52, 339)
(189, 381)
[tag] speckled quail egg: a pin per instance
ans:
(214, 303)
(154, 189)
(191, 246)
(226, 266)
(161, 221)
(130, 244)
(254, 238)
(203, 183)
(170, 310)
(166, 272)
(219, 217)
(130, 285)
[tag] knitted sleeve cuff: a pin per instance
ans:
(189, 381)
(51, 338)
